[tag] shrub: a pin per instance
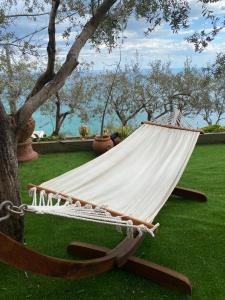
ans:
(125, 131)
(50, 138)
(214, 128)
(83, 130)
(122, 131)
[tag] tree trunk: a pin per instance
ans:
(57, 128)
(149, 115)
(124, 122)
(12, 104)
(57, 117)
(207, 119)
(9, 184)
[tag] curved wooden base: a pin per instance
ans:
(98, 260)
(149, 270)
(17, 255)
(189, 194)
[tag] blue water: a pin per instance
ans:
(71, 125)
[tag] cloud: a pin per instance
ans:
(160, 44)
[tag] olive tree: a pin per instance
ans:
(157, 89)
(16, 77)
(72, 99)
(126, 97)
(118, 93)
(162, 90)
(210, 104)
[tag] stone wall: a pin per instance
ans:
(62, 146)
(211, 138)
(80, 145)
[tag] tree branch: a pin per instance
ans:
(109, 97)
(68, 66)
(120, 115)
(134, 113)
(49, 73)
(13, 43)
(65, 114)
(181, 94)
(162, 114)
(26, 15)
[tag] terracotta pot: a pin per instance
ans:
(27, 131)
(25, 151)
(102, 144)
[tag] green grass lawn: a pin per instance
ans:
(191, 238)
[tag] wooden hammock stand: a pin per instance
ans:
(98, 259)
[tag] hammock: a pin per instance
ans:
(126, 186)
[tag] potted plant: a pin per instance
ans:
(83, 130)
(102, 143)
(25, 151)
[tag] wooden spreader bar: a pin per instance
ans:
(84, 202)
(173, 127)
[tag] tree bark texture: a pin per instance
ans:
(9, 184)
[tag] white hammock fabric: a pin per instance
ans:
(135, 178)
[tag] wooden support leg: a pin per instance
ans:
(149, 270)
(17, 255)
(189, 194)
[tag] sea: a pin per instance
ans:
(71, 125)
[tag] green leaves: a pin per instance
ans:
(216, 23)
(156, 12)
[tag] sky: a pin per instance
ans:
(162, 44)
